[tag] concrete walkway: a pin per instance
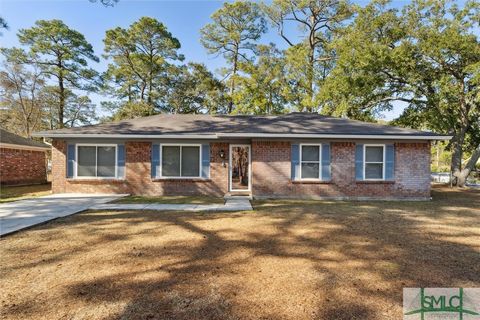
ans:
(230, 205)
(22, 214)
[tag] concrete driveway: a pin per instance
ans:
(21, 214)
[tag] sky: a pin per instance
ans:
(184, 19)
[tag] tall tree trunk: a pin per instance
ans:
(61, 107)
(270, 102)
(150, 76)
(457, 148)
(461, 174)
(232, 82)
(457, 153)
(142, 91)
(310, 78)
(311, 63)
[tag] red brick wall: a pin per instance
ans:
(59, 166)
(22, 166)
(271, 173)
(138, 175)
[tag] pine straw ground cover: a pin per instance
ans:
(14, 193)
(285, 260)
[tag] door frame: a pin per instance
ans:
(230, 186)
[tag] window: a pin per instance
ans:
(374, 163)
(310, 161)
(98, 161)
(180, 161)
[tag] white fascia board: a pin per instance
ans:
(242, 135)
(126, 136)
(332, 136)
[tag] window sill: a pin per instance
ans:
(375, 181)
(181, 180)
(311, 181)
(109, 180)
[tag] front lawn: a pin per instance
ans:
(171, 200)
(285, 260)
(13, 193)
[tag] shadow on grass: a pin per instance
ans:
(171, 200)
(288, 259)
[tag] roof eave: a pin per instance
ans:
(120, 136)
(245, 135)
(336, 136)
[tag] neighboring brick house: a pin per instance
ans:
(299, 155)
(22, 161)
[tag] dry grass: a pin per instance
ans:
(285, 260)
(171, 200)
(13, 193)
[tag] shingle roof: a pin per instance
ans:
(296, 123)
(14, 139)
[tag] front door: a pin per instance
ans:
(239, 171)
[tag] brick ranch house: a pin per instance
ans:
(22, 161)
(296, 155)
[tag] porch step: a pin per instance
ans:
(238, 196)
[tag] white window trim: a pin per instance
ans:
(365, 162)
(161, 176)
(75, 167)
(319, 145)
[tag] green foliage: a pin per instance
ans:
(262, 89)
(194, 89)
(427, 55)
(343, 60)
(142, 58)
(310, 60)
(79, 109)
(62, 54)
(441, 157)
(361, 84)
(106, 3)
(131, 110)
(61, 51)
(29, 103)
(21, 109)
(3, 24)
(232, 33)
(235, 28)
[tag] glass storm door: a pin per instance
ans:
(239, 167)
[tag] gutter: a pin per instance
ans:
(242, 135)
(22, 147)
(333, 136)
(128, 136)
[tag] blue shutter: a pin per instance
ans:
(295, 162)
(70, 160)
(120, 161)
(205, 160)
(390, 162)
(155, 160)
(326, 169)
(359, 162)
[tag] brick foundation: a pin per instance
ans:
(22, 167)
(270, 174)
